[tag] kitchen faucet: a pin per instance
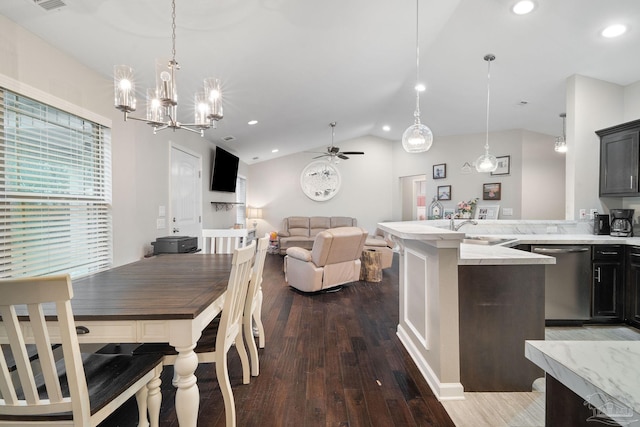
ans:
(454, 227)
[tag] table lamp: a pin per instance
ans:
(255, 214)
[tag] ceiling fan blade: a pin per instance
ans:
(342, 156)
(353, 152)
(322, 155)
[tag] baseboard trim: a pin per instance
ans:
(443, 391)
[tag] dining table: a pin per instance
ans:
(166, 298)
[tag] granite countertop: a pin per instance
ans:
(559, 239)
(474, 254)
(495, 254)
(604, 373)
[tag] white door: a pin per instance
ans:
(186, 193)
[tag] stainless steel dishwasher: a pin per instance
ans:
(568, 282)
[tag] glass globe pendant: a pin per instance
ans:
(487, 162)
(418, 138)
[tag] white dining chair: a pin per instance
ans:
(223, 332)
(253, 306)
(224, 240)
(79, 389)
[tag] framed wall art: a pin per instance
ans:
(487, 211)
(491, 191)
(504, 166)
(449, 213)
(440, 171)
(444, 192)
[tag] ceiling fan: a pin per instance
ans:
(333, 151)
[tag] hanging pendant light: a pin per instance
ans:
(561, 141)
(418, 137)
(487, 162)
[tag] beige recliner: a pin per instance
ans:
(333, 260)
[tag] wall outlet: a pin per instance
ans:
(552, 229)
(592, 213)
(162, 211)
(161, 223)
(583, 214)
(507, 211)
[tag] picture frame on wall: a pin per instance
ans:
(440, 171)
(487, 211)
(492, 191)
(504, 166)
(444, 192)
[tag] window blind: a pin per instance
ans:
(55, 191)
(241, 197)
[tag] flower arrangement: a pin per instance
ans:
(465, 208)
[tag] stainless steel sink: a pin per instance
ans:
(486, 240)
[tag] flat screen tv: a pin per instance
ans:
(224, 172)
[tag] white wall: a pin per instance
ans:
(365, 192)
(592, 105)
(371, 185)
(140, 160)
(457, 150)
(543, 176)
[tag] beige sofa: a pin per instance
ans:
(333, 260)
(300, 231)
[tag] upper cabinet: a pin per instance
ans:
(620, 159)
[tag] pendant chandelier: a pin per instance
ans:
(162, 101)
(487, 162)
(561, 141)
(418, 137)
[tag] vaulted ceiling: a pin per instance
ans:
(297, 65)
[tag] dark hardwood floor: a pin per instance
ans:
(331, 359)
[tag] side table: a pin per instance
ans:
(371, 266)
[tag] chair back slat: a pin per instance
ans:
(45, 352)
(235, 297)
(223, 241)
(256, 275)
(20, 356)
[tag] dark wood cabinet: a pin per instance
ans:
(607, 298)
(500, 306)
(620, 159)
(632, 285)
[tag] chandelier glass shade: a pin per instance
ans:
(162, 100)
(418, 138)
(561, 141)
(487, 162)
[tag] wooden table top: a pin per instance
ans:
(167, 286)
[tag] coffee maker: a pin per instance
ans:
(621, 222)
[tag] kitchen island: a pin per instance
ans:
(589, 382)
(429, 313)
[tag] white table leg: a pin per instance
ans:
(187, 394)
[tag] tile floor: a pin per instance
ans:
(525, 409)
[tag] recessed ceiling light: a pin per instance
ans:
(614, 30)
(275, 150)
(523, 7)
(252, 122)
(386, 128)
